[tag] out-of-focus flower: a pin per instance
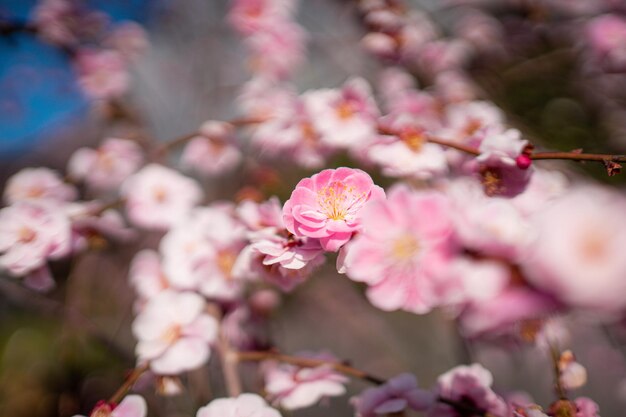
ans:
(31, 232)
(130, 406)
(107, 166)
(157, 197)
(66, 22)
(245, 405)
(102, 74)
(444, 55)
(578, 252)
(396, 395)
(586, 407)
(503, 146)
(470, 386)
(214, 151)
(403, 251)
(607, 40)
(91, 226)
(573, 374)
(31, 184)
(146, 275)
(200, 252)
(293, 387)
(345, 118)
(174, 333)
(251, 16)
(326, 206)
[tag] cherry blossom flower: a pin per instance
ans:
(245, 405)
(251, 16)
(471, 386)
(128, 38)
(403, 251)
(577, 255)
(102, 74)
(505, 146)
(31, 184)
(32, 232)
(395, 396)
(258, 216)
(607, 40)
(93, 227)
(200, 252)
(293, 387)
(130, 406)
(586, 407)
(66, 22)
(214, 151)
(345, 118)
(146, 275)
(107, 166)
(326, 206)
(158, 197)
(572, 374)
(466, 122)
(174, 332)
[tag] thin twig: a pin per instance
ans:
(229, 360)
(128, 384)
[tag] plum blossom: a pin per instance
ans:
(251, 16)
(200, 252)
(66, 22)
(403, 251)
(245, 405)
(102, 74)
(32, 232)
(471, 386)
(586, 407)
(31, 184)
(466, 122)
(107, 166)
(174, 333)
(146, 275)
(395, 396)
(130, 406)
(346, 117)
(91, 226)
(607, 40)
(213, 151)
(292, 387)
(505, 146)
(577, 255)
(572, 374)
(128, 38)
(158, 197)
(408, 154)
(326, 206)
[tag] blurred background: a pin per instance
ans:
(61, 352)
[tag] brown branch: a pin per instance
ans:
(555, 356)
(128, 384)
(578, 156)
(258, 356)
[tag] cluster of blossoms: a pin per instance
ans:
(472, 226)
(101, 52)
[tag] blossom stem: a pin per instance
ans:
(128, 384)
(258, 356)
(555, 355)
(229, 360)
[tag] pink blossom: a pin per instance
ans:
(455, 87)
(502, 145)
(251, 16)
(572, 374)
(200, 252)
(130, 406)
(157, 197)
(262, 98)
(578, 252)
(278, 50)
(586, 407)
(345, 118)
(466, 122)
(326, 206)
(102, 74)
(293, 387)
(444, 55)
(106, 167)
(146, 275)
(30, 234)
(245, 405)
(403, 251)
(471, 386)
(408, 155)
(395, 396)
(66, 22)
(90, 225)
(607, 39)
(174, 332)
(214, 151)
(291, 132)
(287, 250)
(257, 216)
(31, 184)
(474, 281)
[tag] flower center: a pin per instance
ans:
(171, 334)
(405, 248)
(26, 235)
(413, 138)
(337, 200)
(160, 194)
(225, 262)
(345, 110)
(492, 181)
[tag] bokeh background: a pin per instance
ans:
(61, 352)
